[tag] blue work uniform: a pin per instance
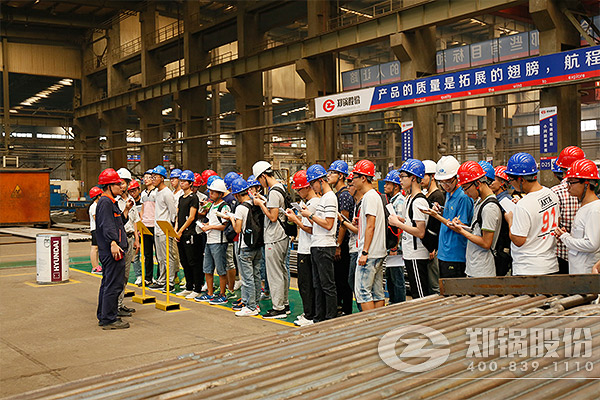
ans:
(109, 227)
(453, 246)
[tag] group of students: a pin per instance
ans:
(434, 220)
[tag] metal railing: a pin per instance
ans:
(128, 48)
(351, 17)
(97, 61)
(166, 32)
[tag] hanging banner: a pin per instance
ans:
(406, 129)
(548, 139)
(559, 68)
(546, 163)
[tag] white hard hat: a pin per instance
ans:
(430, 166)
(259, 167)
(124, 173)
(446, 168)
(218, 185)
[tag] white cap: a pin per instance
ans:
(446, 168)
(259, 167)
(124, 173)
(430, 166)
(218, 185)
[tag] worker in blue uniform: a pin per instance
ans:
(112, 245)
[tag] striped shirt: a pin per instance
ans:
(568, 207)
(327, 208)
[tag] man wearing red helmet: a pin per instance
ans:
(583, 241)
(95, 194)
(112, 244)
(568, 204)
(500, 184)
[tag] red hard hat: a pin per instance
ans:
(500, 172)
(108, 176)
(469, 172)
(364, 167)
(568, 156)
(350, 176)
(133, 185)
(583, 169)
(95, 191)
(299, 180)
(207, 174)
(198, 180)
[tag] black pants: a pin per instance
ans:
(341, 271)
(394, 278)
(563, 266)
(452, 269)
(189, 262)
(305, 285)
(110, 288)
(149, 255)
(199, 245)
(324, 283)
(418, 277)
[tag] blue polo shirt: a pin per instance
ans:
(452, 245)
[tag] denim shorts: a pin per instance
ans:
(368, 282)
(215, 256)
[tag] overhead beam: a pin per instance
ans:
(437, 12)
(44, 18)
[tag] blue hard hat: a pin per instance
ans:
(239, 185)
(488, 169)
(186, 175)
(555, 168)
(149, 172)
(393, 177)
(160, 170)
(314, 172)
(414, 167)
(252, 181)
(211, 179)
(229, 178)
(339, 166)
(522, 164)
(175, 173)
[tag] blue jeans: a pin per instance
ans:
(263, 271)
(369, 281)
(215, 256)
(249, 266)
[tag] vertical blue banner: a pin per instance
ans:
(548, 134)
(406, 129)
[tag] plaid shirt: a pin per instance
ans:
(568, 207)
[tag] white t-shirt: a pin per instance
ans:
(132, 216)
(584, 240)
(535, 217)
(480, 262)
(177, 195)
(148, 199)
(165, 209)
(92, 212)
(305, 238)
(273, 230)
(214, 236)
(398, 202)
(326, 208)
(408, 244)
(372, 204)
(241, 213)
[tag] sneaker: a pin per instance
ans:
(300, 316)
(184, 293)
(97, 271)
(287, 309)
(204, 288)
(306, 322)
(230, 294)
(272, 313)
(246, 312)
(237, 285)
(237, 302)
(118, 324)
(264, 295)
(123, 313)
(221, 299)
(171, 289)
(204, 298)
(138, 281)
(148, 283)
(156, 285)
(192, 295)
(127, 309)
(238, 307)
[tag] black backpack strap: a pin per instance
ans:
(479, 219)
(284, 194)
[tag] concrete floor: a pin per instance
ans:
(49, 333)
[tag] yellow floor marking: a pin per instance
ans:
(7, 275)
(36, 285)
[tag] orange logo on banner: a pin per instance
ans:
(17, 192)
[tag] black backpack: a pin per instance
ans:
(501, 251)
(410, 215)
(253, 234)
(229, 233)
(290, 228)
(392, 233)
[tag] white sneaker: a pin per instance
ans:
(183, 293)
(303, 322)
(138, 281)
(204, 288)
(192, 295)
(246, 312)
(237, 285)
(300, 316)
